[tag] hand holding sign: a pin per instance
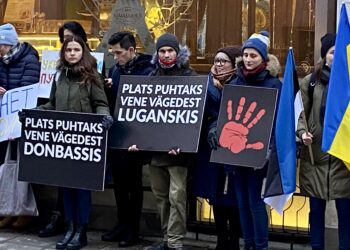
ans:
(234, 133)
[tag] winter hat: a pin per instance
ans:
(170, 40)
(327, 41)
(8, 35)
(232, 52)
(259, 41)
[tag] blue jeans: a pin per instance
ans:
(77, 205)
(317, 222)
(252, 209)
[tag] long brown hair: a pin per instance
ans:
(318, 69)
(86, 67)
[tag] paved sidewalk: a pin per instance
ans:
(27, 240)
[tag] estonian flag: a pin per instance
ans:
(281, 177)
(336, 131)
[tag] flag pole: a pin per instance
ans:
(307, 131)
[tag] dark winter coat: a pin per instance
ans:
(141, 65)
(328, 178)
(211, 180)
(69, 94)
(23, 69)
(182, 68)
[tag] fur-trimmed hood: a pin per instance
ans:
(182, 59)
(273, 64)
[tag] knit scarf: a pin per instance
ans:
(249, 73)
(12, 52)
(220, 79)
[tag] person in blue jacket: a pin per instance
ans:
(258, 69)
(215, 181)
(19, 66)
(126, 166)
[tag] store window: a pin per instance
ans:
(204, 25)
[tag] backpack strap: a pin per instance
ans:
(311, 87)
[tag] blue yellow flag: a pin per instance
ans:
(336, 130)
(281, 177)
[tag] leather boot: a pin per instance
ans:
(80, 239)
(22, 222)
(129, 238)
(6, 222)
(115, 234)
(55, 227)
(62, 244)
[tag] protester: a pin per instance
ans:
(19, 66)
(168, 171)
(126, 167)
(79, 88)
(72, 28)
(215, 181)
(257, 69)
(327, 179)
(56, 223)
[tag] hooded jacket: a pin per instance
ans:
(328, 178)
(181, 68)
(23, 69)
(69, 94)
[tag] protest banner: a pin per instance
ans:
(63, 149)
(48, 70)
(10, 103)
(245, 125)
(159, 113)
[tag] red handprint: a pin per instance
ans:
(234, 133)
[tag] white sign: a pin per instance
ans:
(48, 70)
(11, 102)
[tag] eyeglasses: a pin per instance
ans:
(221, 61)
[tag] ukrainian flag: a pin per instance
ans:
(336, 131)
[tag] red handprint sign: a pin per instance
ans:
(234, 135)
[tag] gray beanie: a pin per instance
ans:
(170, 40)
(8, 35)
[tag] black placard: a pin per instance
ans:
(63, 149)
(159, 113)
(245, 125)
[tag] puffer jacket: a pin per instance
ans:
(328, 178)
(182, 68)
(69, 94)
(22, 70)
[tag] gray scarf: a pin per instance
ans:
(12, 52)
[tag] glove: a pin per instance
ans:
(107, 121)
(21, 116)
(213, 139)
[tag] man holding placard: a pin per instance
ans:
(126, 167)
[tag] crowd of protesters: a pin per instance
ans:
(233, 191)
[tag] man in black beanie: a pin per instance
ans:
(168, 171)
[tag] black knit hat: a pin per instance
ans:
(232, 52)
(170, 40)
(327, 41)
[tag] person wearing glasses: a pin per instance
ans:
(211, 180)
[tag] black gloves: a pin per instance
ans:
(21, 116)
(213, 139)
(107, 121)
